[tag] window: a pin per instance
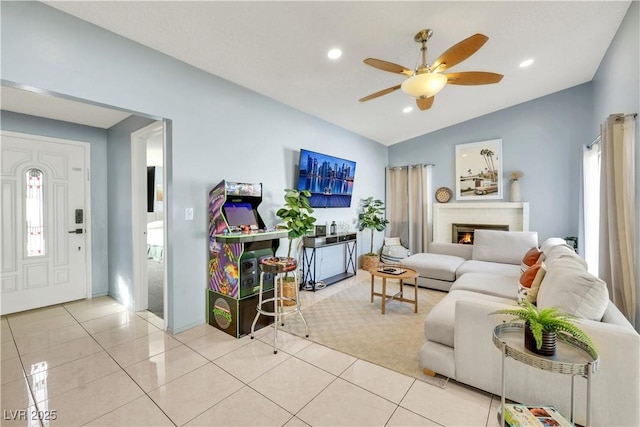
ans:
(34, 212)
(591, 185)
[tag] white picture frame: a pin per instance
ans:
(479, 170)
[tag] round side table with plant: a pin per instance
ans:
(543, 326)
(371, 217)
(541, 353)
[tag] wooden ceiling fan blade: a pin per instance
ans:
(388, 66)
(470, 78)
(380, 93)
(424, 103)
(459, 52)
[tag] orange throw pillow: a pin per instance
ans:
(531, 257)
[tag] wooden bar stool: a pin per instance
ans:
(283, 305)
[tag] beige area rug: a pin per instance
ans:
(350, 323)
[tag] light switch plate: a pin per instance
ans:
(188, 214)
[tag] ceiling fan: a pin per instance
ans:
(427, 80)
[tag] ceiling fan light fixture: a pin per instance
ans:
(424, 85)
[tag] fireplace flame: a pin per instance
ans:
(466, 239)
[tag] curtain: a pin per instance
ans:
(591, 204)
(397, 204)
(618, 245)
(409, 205)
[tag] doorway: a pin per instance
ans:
(149, 219)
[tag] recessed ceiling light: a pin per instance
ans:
(407, 109)
(526, 63)
(334, 53)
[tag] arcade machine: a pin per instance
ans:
(238, 239)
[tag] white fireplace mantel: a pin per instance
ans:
(513, 214)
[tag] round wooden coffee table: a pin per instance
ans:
(401, 273)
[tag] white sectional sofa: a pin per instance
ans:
(483, 278)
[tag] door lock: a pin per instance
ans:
(76, 231)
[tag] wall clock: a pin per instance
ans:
(443, 194)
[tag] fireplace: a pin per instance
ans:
(463, 233)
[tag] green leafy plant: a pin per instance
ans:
(548, 319)
(296, 214)
(372, 217)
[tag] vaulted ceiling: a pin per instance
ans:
(279, 49)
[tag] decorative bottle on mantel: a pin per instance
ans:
(515, 191)
(515, 195)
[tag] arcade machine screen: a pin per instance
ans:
(240, 214)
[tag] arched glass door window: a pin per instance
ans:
(34, 212)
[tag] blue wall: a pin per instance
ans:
(97, 139)
(120, 208)
(616, 88)
(616, 84)
(541, 138)
(219, 130)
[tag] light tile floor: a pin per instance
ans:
(95, 363)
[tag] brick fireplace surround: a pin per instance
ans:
(513, 215)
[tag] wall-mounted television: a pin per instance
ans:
(328, 178)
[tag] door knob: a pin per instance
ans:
(76, 231)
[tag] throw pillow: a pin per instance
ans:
(392, 241)
(529, 283)
(530, 258)
(523, 294)
(537, 281)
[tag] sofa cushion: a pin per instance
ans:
(531, 257)
(434, 266)
(564, 252)
(455, 249)
(498, 285)
(440, 322)
(502, 246)
(551, 242)
(472, 266)
(573, 290)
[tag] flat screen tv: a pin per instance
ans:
(328, 178)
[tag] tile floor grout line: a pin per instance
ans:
(220, 401)
(127, 374)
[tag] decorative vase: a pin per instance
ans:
(548, 342)
(515, 191)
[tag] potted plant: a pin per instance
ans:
(542, 326)
(372, 217)
(297, 218)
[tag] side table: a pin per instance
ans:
(572, 358)
(408, 274)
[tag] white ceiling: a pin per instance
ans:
(52, 107)
(279, 49)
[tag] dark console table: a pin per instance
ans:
(310, 244)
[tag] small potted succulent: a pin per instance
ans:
(371, 217)
(543, 326)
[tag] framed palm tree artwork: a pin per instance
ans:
(479, 170)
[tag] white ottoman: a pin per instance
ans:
(435, 270)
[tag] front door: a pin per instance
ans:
(44, 195)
